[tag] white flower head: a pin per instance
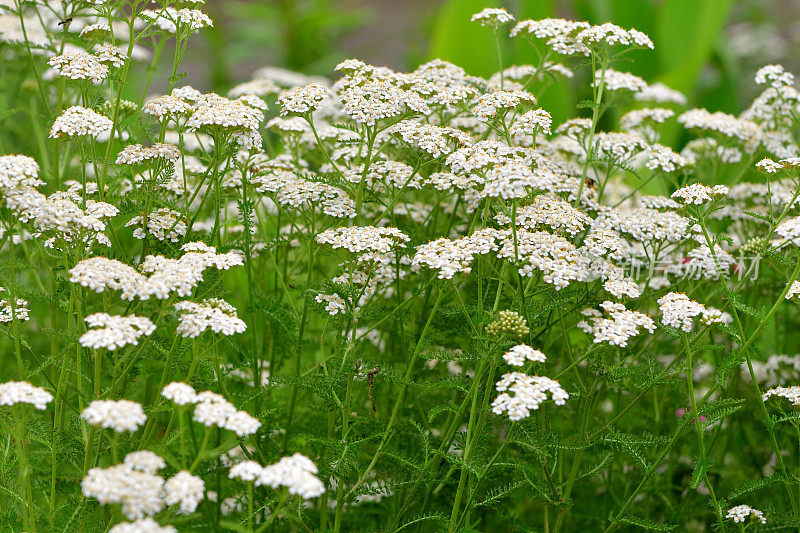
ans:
(16, 392)
(121, 416)
(185, 490)
(80, 121)
(521, 353)
(493, 17)
(113, 332)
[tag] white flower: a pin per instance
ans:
(790, 393)
(677, 310)
(194, 19)
(489, 105)
(79, 121)
(121, 416)
(494, 17)
(79, 66)
(214, 410)
(532, 122)
(663, 158)
(97, 29)
(519, 354)
(145, 461)
(294, 191)
(246, 471)
(455, 256)
(165, 276)
(528, 393)
(163, 224)
(143, 525)
(699, 194)
(140, 493)
(303, 100)
(558, 34)
(14, 392)
(616, 324)
(434, 140)
(18, 172)
(215, 314)
(166, 106)
(334, 303)
(658, 92)
(614, 80)
(611, 34)
(8, 312)
(728, 125)
(549, 211)
(367, 101)
(211, 111)
(790, 229)
(638, 117)
(112, 332)
(775, 75)
(180, 393)
(134, 154)
(740, 513)
(769, 166)
(113, 55)
(368, 242)
(258, 87)
(794, 290)
(295, 472)
(185, 489)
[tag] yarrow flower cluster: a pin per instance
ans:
(143, 525)
(16, 392)
(727, 125)
(16, 311)
(215, 314)
(135, 485)
(615, 324)
(79, 66)
(80, 121)
(525, 393)
(295, 473)
(121, 415)
(790, 393)
(113, 332)
(135, 154)
(211, 409)
(699, 194)
(740, 513)
(368, 243)
(160, 276)
(521, 353)
(678, 311)
(303, 100)
(494, 17)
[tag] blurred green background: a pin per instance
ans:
(709, 49)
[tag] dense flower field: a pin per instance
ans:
(389, 300)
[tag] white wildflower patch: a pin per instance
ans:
(282, 301)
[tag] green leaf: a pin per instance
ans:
(701, 466)
(644, 523)
(498, 493)
(752, 485)
(465, 43)
(682, 58)
(439, 517)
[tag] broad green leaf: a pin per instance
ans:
(462, 42)
(685, 35)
